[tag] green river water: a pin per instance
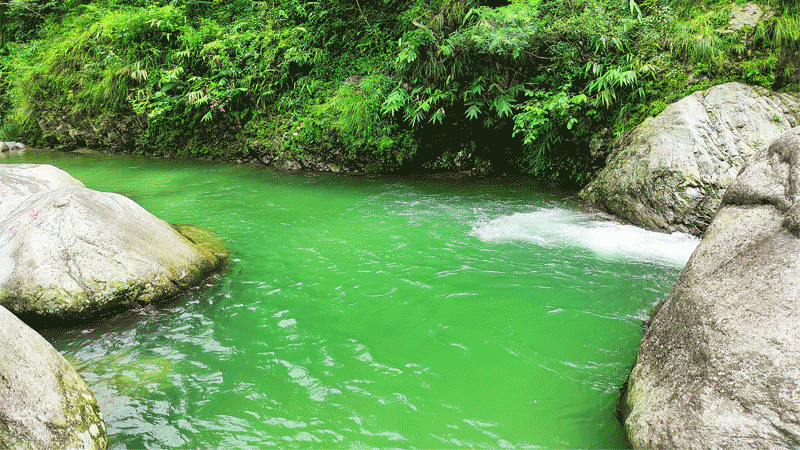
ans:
(366, 311)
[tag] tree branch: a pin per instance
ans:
(364, 17)
(537, 56)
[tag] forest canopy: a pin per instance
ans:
(532, 86)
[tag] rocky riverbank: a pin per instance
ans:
(718, 366)
(669, 174)
(11, 146)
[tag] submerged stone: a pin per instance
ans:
(719, 366)
(44, 403)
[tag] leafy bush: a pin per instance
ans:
(520, 85)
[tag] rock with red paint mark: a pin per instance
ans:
(19, 180)
(69, 252)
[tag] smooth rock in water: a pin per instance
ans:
(20, 180)
(670, 173)
(72, 252)
(719, 366)
(44, 403)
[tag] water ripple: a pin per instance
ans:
(366, 312)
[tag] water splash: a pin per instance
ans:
(555, 227)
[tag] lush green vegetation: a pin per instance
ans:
(543, 87)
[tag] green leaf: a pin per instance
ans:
(437, 116)
(578, 99)
(571, 122)
(472, 112)
(503, 107)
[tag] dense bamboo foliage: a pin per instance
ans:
(543, 87)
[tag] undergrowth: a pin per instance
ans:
(530, 86)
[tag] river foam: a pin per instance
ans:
(555, 227)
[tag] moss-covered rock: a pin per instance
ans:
(73, 252)
(44, 403)
(67, 131)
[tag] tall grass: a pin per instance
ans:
(698, 41)
(786, 29)
(90, 65)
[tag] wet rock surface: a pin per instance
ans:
(69, 252)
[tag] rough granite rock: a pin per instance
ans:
(719, 366)
(743, 15)
(670, 173)
(69, 252)
(65, 131)
(11, 146)
(20, 180)
(44, 403)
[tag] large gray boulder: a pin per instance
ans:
(719, 366)
(69, 252)
(20, 180)
(10, 146)
(44, 403)
(670, 173)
